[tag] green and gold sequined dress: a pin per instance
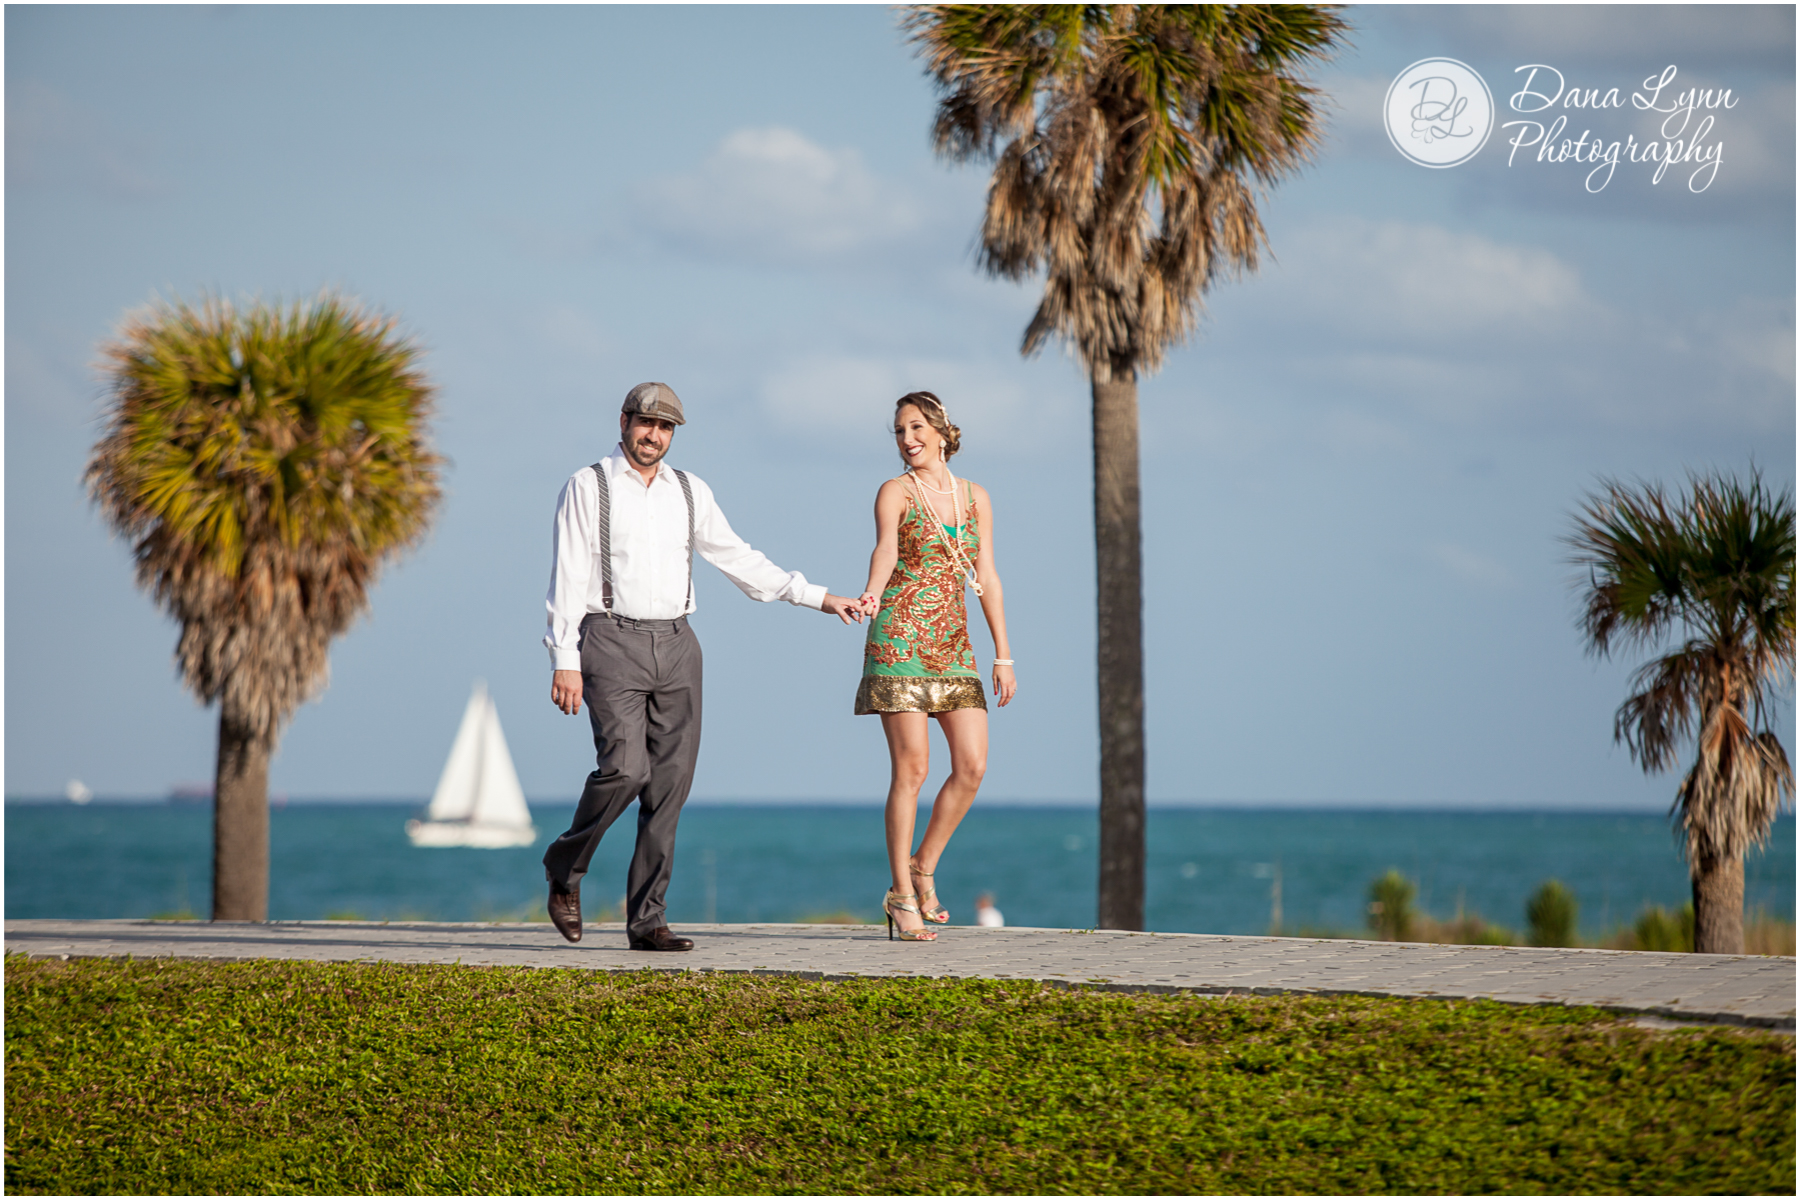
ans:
(918, 657)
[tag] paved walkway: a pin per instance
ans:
(1735, 989)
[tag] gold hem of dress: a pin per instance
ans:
(918, 693)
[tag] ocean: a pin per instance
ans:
(1210, 870)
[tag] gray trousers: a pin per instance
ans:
(641, 681)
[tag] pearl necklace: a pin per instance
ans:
(950, 492)
(954, 543)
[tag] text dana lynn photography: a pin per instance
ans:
(1545, 88)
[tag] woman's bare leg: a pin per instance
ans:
(909, 752)
(966, 729)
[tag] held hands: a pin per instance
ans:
(565, 691)
(871, 603)
(1004, 683)
(844, 608)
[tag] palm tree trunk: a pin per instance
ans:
(1719, 904)
(241, 820)
(1118, 558)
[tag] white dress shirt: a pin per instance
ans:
(649, 554)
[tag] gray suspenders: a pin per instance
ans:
(687, 493)
(605, 522)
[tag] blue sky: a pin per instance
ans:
(1355, 478)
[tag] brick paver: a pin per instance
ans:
(1737, 989)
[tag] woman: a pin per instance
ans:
(934, 535)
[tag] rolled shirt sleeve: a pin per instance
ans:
(751, 570)
(650, 557)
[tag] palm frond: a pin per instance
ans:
(1717, 563)
(1633, 545)
(1728, 800)
(1742, 573)
(1126, 140)
(1667, 697)
(263, 462)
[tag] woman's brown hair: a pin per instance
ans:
(932, 409)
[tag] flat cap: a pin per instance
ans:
(656, 400)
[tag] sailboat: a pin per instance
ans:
(478, 801)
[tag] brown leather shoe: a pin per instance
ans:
(661, 938)
(565, 913)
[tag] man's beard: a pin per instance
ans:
(644, 454)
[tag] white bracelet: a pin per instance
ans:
(1003, 662)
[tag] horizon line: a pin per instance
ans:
(1348, 805)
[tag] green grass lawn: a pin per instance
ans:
(191, 1077)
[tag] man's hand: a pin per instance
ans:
(843, 608)
(565, 691)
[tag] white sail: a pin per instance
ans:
(478, 802)
(454, 799)
(499, 800)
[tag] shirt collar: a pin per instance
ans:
(618, 466)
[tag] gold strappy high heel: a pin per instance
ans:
(894, 902)
(933, 912)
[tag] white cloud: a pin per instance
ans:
(1354, 107)
(772, 196)
(1457, 329)
(1418, 285)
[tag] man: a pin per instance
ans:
(621, 587)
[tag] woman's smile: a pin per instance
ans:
(915, 436)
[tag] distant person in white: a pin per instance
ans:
(986, 913)
(621, 588)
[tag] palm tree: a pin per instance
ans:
(1715, 567)
(263, 462)
(1126, 142)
